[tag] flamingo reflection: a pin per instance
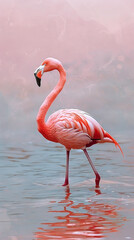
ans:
(81, 220)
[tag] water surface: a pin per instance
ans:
(34, 205)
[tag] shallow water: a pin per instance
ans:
(34, 205)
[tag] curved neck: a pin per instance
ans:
(49, 100)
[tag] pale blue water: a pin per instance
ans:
(34, 205)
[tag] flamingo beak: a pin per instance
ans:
(38, 74)
(38, 80)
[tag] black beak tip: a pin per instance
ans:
(38, 80)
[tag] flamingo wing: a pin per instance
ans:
(74, 128)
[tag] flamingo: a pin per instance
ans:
(73, 128)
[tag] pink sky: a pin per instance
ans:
(93, 39)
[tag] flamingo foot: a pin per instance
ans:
(97, 180)
(65, 183)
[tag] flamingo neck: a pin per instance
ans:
(42, 125)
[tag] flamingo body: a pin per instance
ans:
(72, 128)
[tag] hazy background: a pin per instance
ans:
(95, 42)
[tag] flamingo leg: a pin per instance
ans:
(67, 169)
(97, 180)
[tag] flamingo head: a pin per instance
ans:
(48, 65)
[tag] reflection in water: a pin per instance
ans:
(81, 221)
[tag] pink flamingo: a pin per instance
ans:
(72, 128)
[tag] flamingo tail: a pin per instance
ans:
(107, 135)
